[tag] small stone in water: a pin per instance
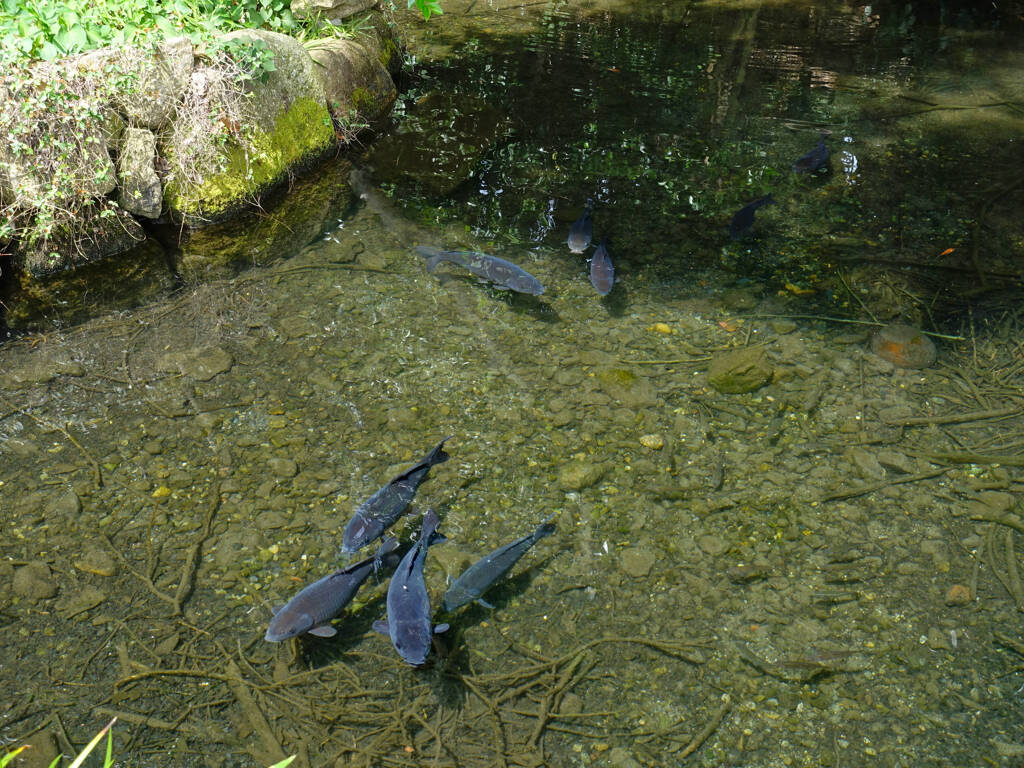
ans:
(98, 562)
(654, 442)
(903, 345)
(34, 581)
(958, 594)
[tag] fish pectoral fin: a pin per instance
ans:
(439, 628)
(324, 630)
(381, 625)
(484, 603)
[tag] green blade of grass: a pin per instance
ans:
(11, 755)
(92, 745)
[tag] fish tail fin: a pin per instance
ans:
(439, 454)
(545, 530)
(434, 256)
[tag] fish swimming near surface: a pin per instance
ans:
(482, 574)
(408, 622)
(382, 510)
(314, 606)
(582, 231)
(814, 159)
(744, 218)
(602, 272)
(498, 271)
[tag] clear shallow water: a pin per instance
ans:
(705, 546)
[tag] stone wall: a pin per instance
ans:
(153, 131)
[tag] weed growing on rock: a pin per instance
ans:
(55, 126)
(216, 110)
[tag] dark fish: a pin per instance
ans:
(408, 622)
(312, 608)
(497, 271)
(602, 273)
(380, 511)
(582, 231)
(813, 160)
(744, 217)
(479, 577)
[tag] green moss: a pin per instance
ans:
(618, 377)
(302, 131)
(363, 100)
(388, 50)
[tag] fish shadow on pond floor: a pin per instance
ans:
(616, 302)
(354, 630)
(535, 306)
(499, 596)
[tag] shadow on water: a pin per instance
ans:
(674, 119)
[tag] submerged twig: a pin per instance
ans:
(870, 487)
(253, 714)
(188, 571)
(707, 730)
(975, 458)
(956, 418)
(97, 473)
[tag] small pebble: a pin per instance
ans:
(34, 582)
(958, 594)
(904, 346)
(654, 442)
(98, 562)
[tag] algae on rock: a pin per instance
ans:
(285, 125)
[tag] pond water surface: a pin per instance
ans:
(820, 570)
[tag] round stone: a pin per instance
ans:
(903, 346)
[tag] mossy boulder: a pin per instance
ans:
(292, 130)
(358, 87)
(384, 42)
(288, 223)
(150, 81)
(99, 232)
(332, 10)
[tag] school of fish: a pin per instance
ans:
(408, 621)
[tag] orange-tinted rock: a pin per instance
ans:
(958, 594)
(903, 345)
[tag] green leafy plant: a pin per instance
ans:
(254, 58)
(108, 760)
(427, 7)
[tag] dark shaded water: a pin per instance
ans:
(673, 116)
(823, 571)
